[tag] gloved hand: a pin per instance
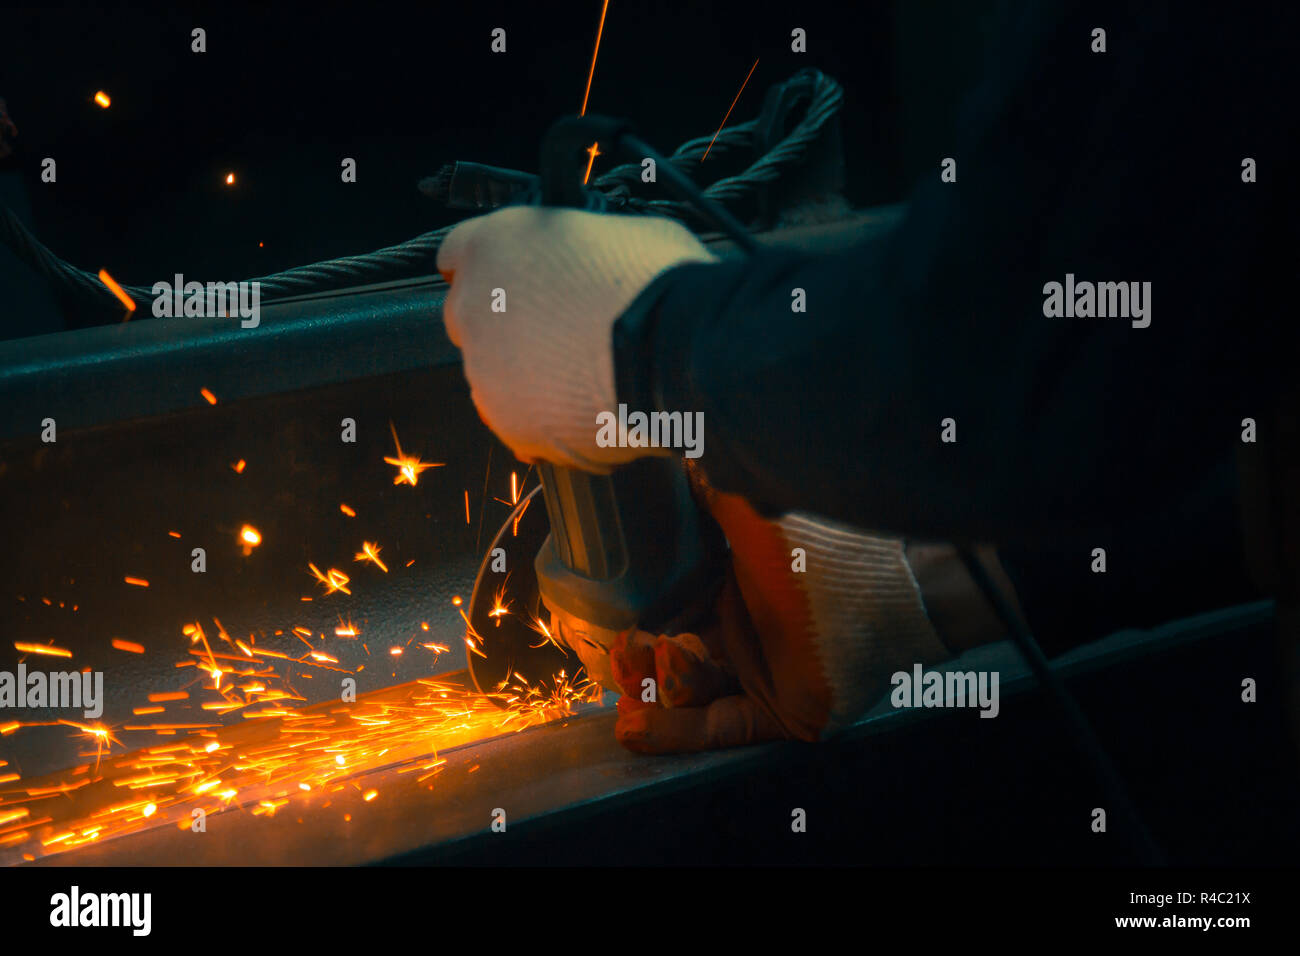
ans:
(792, 654)
(542, 367)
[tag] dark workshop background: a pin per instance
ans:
(284, 93)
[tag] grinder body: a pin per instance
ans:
(629, 549)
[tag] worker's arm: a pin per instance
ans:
(1122, 166)
(1072, 166)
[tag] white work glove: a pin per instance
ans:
(792, 653)
(543, 368)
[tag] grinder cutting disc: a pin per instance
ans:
(507, 641)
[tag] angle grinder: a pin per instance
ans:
(605, 553)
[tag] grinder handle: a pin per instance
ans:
(623, 548)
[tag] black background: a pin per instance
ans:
(284, 93)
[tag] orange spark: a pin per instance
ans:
(117, 290)
(174, 534)
(347, 511)
(334, 579)
(592, 72)
(540, 627)
(239, 466)
(195, 633)
(138, 582)
(395, 651)
(129, 646)
(102, 99)
(467, 506)
(249, 538)
(408, 467)
(211, 399)
(499, 605)
(729, 109)
(100, 735)
(230, 179)
(592, 153)
(514, 490)
(369, 795)
(370, 552)
(168, 695)
(45, 649)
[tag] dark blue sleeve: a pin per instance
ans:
(1123, 166)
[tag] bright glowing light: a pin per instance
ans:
(370, 552)
(117, 290)
(408, 467)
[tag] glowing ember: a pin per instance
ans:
(230, 179)
(347, 511)
(500, 606)
(129, 646)
(102, 99)
(540, 627)
(117, 290)
(45, 649)
(370, 552)
(334, 579)
(729, 109)
(249, 538)
(408, 466)
(168, 696)
(514, 491)
(208, 396)
(138, 582)
(239, 466)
